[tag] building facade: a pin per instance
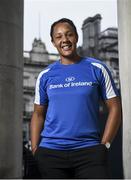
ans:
(34, 62)
(102, 45)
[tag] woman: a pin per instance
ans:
(65, 132)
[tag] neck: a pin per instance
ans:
(70, 60)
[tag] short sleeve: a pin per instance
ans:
(107, 85)
(41, 97)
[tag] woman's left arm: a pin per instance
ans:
(113, 120)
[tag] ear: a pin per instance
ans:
(77, 39)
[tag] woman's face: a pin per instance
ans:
(65, 39)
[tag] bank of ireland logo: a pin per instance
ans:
(70, 79)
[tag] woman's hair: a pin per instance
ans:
(63, 20)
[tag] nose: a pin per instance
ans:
(65, 38)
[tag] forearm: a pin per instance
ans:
(37, 122)
(112, 124)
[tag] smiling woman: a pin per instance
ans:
(64, 37)
(65, 131)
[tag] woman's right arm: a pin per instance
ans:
(37, 123)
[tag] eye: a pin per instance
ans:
(58, 37)
(70, 34)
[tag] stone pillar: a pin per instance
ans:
(11, 71)
(124, 35)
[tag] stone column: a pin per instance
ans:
(124, 34)
(11, 70)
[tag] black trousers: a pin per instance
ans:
(83, 163)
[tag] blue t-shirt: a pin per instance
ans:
(73, 93)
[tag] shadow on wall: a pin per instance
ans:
(30, 170)
(115, 157)
(115, 153)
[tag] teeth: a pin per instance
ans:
(66, 47)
